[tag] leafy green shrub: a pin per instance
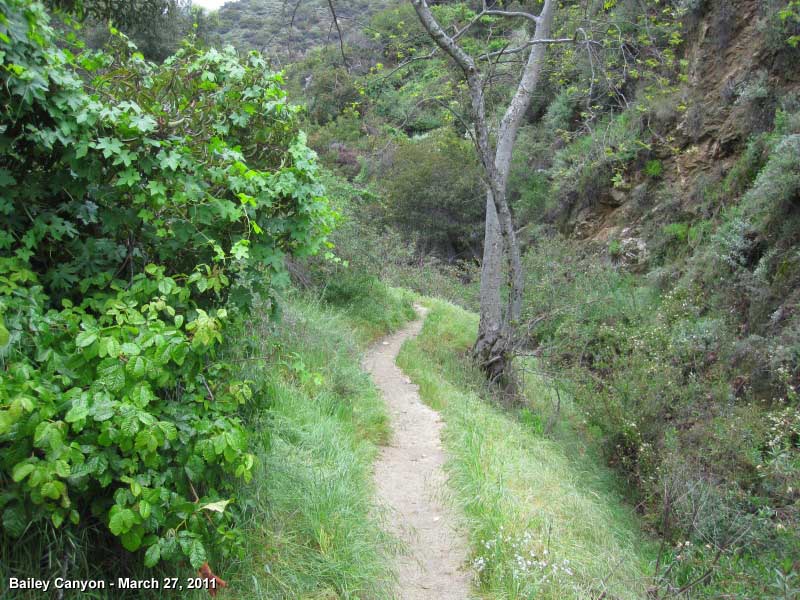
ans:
(133, 209)
(156, 26)
(586, 168)
(368, 255)
(533, 190)
(434, 189)
(561, 111)
(698, 232)
(783, 27)
(327, 87)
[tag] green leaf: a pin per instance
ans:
(6, 178)
(116, 524)
(169, 160)
(102, 410)
(14, 520)
(168, 429)
(142, 395)
(197, 554)
(129, 177)
(152, 556)
(145, 440)
(166, 285)
(156, 188)
(111, 374)
(109, 146)
(85, 338)
(121, 521)
(52, 490)
(130, 348)
(79, 411)
(128, 424)
(218, 506)
(144, 123)
(7, 421)
(21, 471)
(57, 518)
(131, 540)
(48, 434)
(137, 367)
(4, 335)
(62, 468)
(109, 346)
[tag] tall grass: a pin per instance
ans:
(372, 307)
(545, 518)
(312, 530)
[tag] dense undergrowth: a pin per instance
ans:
(146, 210)
(685, 359)
(311, 526)
(651, 371)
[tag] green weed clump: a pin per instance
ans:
(375, 307)
(542, 521)
(585, 169)
(654, 168)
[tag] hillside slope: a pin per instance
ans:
(287, 31)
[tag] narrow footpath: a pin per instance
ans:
(410, 482)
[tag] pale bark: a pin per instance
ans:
(495, 336)
(491, 306)
(506, 139)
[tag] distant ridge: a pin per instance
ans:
(287, 30)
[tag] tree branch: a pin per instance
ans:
(407, 62)
(339, 29)
(530, 43)
(444, 41)
(510, 13)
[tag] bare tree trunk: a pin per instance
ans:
(494, 345)
(496, 330)
(491, 304)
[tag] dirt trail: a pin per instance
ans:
(410, 481)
